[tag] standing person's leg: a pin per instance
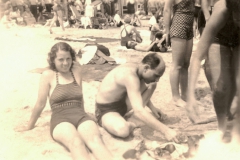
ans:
(60, 19)
(184, 70)
(90, 134)
(178, 59)
(218, 64)
(236, 127)
(53, 22)
(67, 134)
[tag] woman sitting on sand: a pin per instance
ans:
(129, 32)
(70, 125)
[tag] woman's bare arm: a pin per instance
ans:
(167, 18)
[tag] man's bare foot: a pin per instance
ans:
(135, 122)
(179, 103)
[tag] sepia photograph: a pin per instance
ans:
(120, 79)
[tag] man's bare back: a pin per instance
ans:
(112, 87)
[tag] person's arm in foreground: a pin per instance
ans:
(132, 84)
(144, 48)
(205, 5)
(43, 91)
(167, 19)
(216, 22)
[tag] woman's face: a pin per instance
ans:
(63, 61)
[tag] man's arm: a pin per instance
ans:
(132, 84)
(216, 22)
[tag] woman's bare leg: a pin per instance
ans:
(68, 135)
(184, 70)
(179, 52)
(90, 134)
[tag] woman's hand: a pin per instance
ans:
(22, 128)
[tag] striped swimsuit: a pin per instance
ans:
(182, 22)
(66, 103)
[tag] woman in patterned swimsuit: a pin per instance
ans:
(70, 124)
(180, 29)
(220, 45)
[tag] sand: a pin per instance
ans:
(27, 51)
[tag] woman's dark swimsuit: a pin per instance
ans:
(118, 106)
(182, 22)
(66, 103)
(127, 38)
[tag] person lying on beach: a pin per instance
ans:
(70, 125)
(130, 87)
(157, 45)
(220, 45)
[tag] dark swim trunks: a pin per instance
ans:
(101, 109)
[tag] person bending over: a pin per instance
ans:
(70, 125)
(130, 87)
(158, 45)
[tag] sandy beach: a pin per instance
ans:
(22, 54)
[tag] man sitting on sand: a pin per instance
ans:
(130, 86)
(157, 45)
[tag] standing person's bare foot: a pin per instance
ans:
(50, 30)
(179, 103)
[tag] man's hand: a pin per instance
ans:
(158, 114)
(171, 135)
(192, 111)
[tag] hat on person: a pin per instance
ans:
(127, 19)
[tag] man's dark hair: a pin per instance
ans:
(127, 46)
(233, 5)
(158, 17)
(152, 60)
(159, 35)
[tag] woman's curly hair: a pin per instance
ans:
(53, 53)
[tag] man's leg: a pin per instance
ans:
(236, 127)
(115, 124)
(220, 72)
